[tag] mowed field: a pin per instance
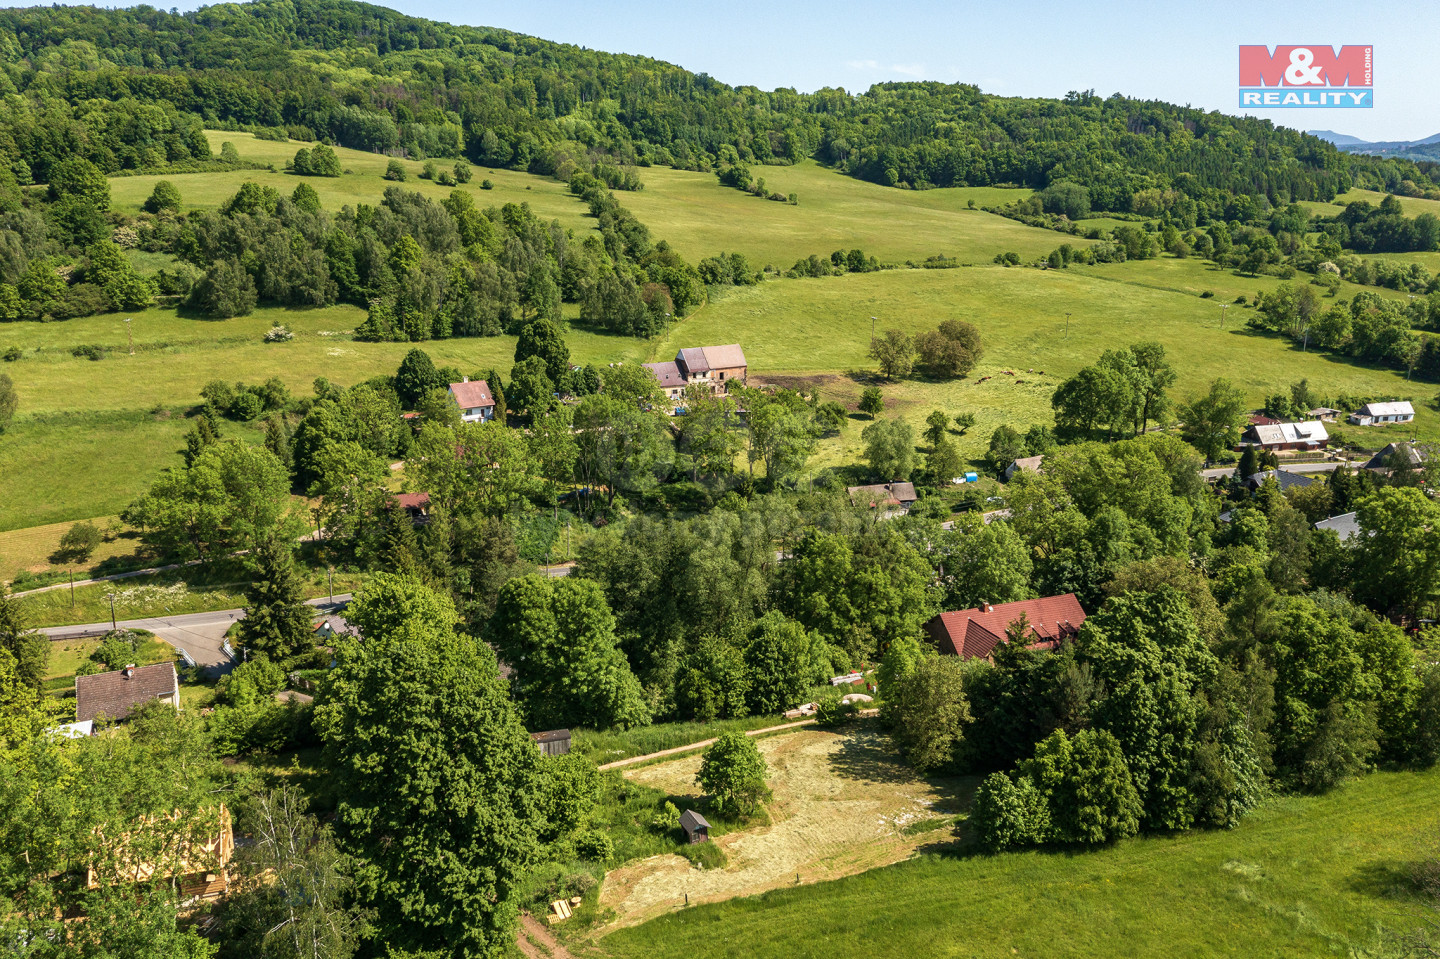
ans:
(700, 218)
(1303, 876)
(91, 435)
(843, 803)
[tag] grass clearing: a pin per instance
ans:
(28, 550)
(816, 333)
(700, 218)
(842, 804)
(1303, 876)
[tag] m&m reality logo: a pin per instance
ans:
(1307, 76)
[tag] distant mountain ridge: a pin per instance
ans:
(1426, 149)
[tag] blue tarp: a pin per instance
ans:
(972, 477)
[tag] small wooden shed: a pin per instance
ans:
(555, 742)
(695, 827)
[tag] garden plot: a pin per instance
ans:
(843, 803)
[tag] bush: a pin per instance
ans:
(594, 846)
(486, 185)
(462, 173)
(1008, 815)
(278, 334)
(667, 818)
(395, 170)
(733, 772)
(705, 855)
(245, 406)
(90, 352)
(830, 711)
(13, 353)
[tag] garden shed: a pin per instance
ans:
(695, 827)
(555, 742)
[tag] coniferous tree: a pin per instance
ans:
(277, 621)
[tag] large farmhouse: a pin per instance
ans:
(974, 633)
(717, 366)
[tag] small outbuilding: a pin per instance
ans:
(555, 742)
(695, 827)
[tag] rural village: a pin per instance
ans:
(473, 496)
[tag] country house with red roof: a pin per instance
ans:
(974, 633)
(474, 399)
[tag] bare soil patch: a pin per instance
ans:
(842, 802)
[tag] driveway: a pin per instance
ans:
(1326, 467)
(202, 635)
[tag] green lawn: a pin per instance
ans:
(1301, 877)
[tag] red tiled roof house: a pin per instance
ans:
(974, 633)
(474, 399)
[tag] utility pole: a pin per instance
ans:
(872, 332)
(114, 626)
(331, 571)
(1223, 308)
(129, 336)
(72, 589)
(1067, 326)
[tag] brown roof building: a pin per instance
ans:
(114, 695)
(886, 496)
(974, 633)
(716, 366)
(474, 399)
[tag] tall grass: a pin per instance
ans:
(603, 746)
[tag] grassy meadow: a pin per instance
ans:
(1303, 876)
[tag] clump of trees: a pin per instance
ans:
(948, 352)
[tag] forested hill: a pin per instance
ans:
(370, 78)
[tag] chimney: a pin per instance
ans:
(129, 670)
(464, 379)
(986, 607)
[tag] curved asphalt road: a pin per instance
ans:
(202, 635)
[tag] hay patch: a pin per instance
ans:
(842, 802)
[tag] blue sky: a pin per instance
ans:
(1183, 53)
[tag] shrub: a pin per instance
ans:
(668, 817)
(1008, 815)
(462, 173)
(594, 846)
(395, 170)
(733, 772)
(90, 351)
(278, 334)
(830, 711)
(486, 185)
(13, 353)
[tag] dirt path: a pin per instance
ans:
(843, 804)
(702, 744)
(536, 942)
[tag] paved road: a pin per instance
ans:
(199, 634)
(1291, 468)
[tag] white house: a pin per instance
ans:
(474, 399)
(1373, 414)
